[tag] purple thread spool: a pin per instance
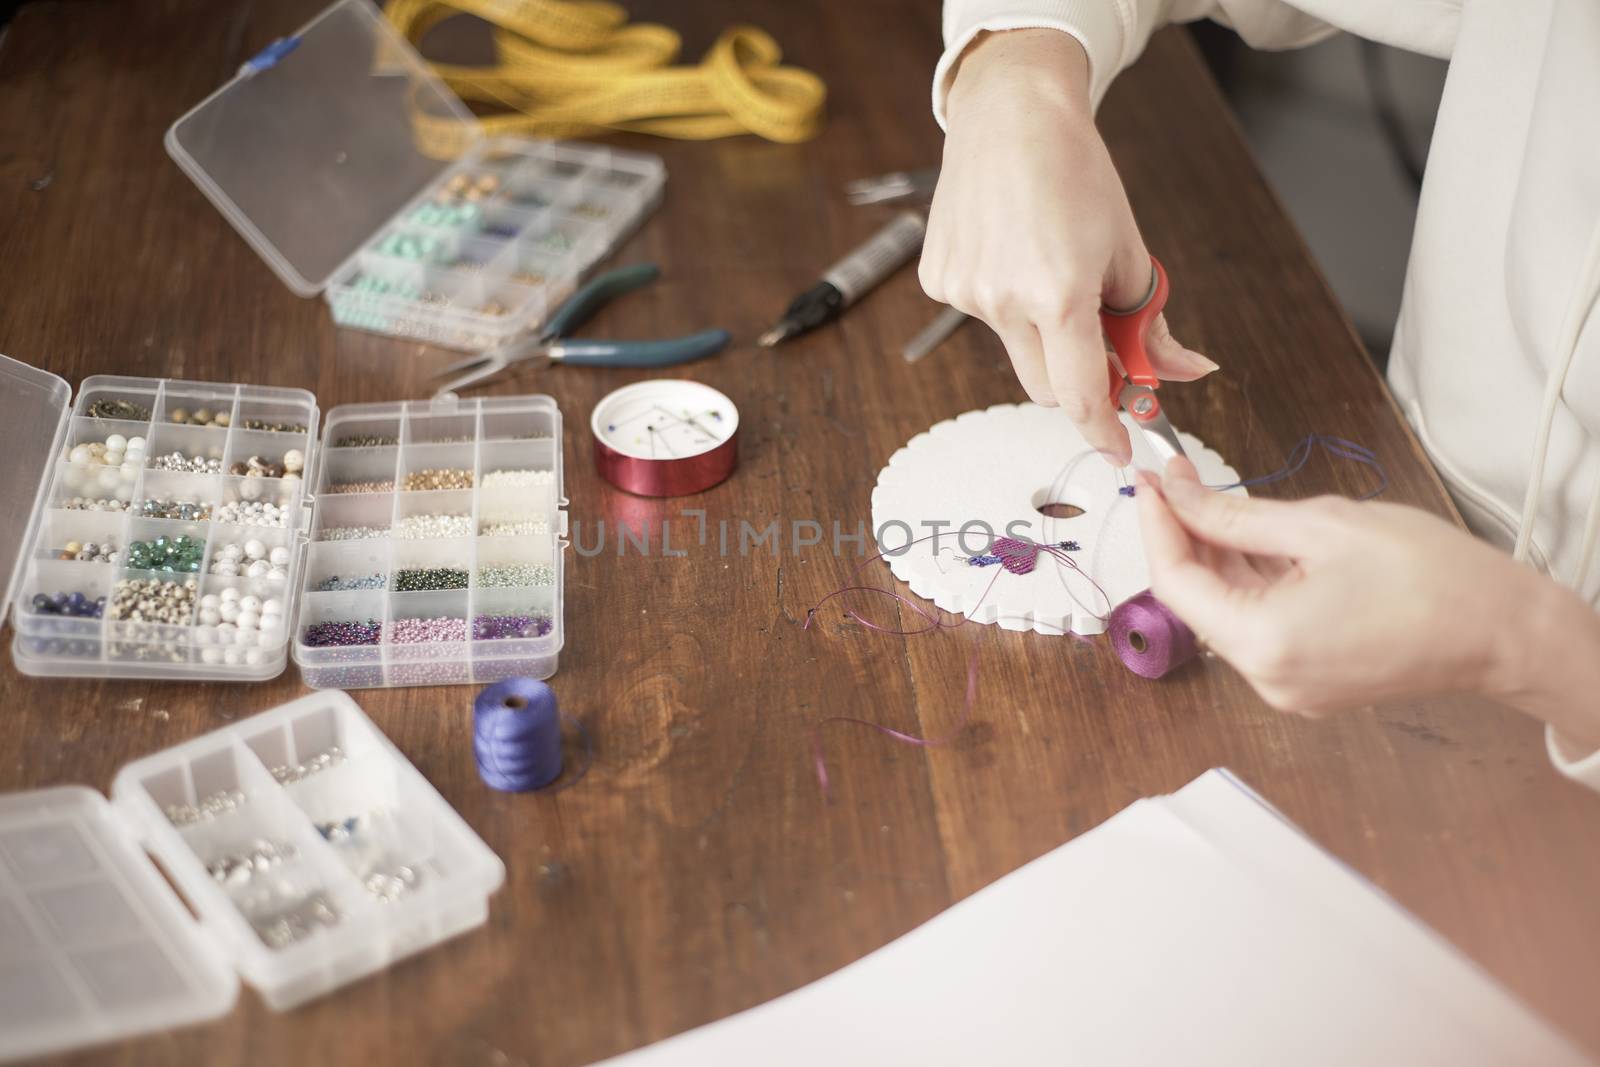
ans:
(1150, 640)
(516, 735)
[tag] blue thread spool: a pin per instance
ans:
(516, 735)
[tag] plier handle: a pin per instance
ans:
(1134, 382)
(553, 343)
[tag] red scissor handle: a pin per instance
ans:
(1126, 330)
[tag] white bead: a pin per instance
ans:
(279, 556)
(250, 602)
(211, 655)
(254, 656)
(294, 460)
(231, 552)
(124, 492)
(224, 568)
(272, 606)
(231, 656)
(136, 444)
(210, 616)
(116, 443)
(230, 593)
(258, 569)
(210, 600)
(112, 459)
(277, 576)
(248, 620)
(270, 624)
(109, 479)
(80, 454)
(254, 549)
(229, 611)
(226, 634)
(129, 470)
(205, 635)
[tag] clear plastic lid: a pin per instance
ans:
(94, 946)
(33, 419)
(313, 147)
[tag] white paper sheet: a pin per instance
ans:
(1198, 928)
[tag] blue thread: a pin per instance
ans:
(269, 56)
(1300, 455)
(1126, 490)
(516, 736)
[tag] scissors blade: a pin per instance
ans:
(1139, 401)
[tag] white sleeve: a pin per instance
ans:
(1581, 767)
(1114, 32)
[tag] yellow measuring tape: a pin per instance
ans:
(572, 68)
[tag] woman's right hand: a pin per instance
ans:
(1030, 229)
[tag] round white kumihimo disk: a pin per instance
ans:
(999, 467)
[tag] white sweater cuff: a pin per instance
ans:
(1581, 767)
(1095, 24)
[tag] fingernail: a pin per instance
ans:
(1115, 458)
(1200, 361)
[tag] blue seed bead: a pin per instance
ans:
(59, 602)
(77, 603)
(42, 604)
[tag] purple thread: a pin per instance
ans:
(936, 621)
(1149, 639)
(1300, 455)
(516, 736)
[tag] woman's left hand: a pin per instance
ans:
(1327, 604)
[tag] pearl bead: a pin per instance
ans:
(277, 576)
(248, 620)
(270, 624)
(294, 460)
(254, 656)
(224, 568)
(230, 593)
(206, 634)
(259, 569)
(210, 600)
(232, 552)
(250, 603)
(210, 616)
(272, 606)
(116, 443)
(211, 656)
(79, 454)
(279, 556)
(136, 444)
(254, 550)
(231, 656)
(229, 611)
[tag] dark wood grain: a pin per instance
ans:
(697, 870)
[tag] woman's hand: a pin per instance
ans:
(1327, 604)
(1031, 231)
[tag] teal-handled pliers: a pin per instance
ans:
(553, 343)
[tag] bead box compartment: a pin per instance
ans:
(308, 801)
(168, 643)
(394, 607)
(325, 156)
(480, 601)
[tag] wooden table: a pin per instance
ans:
(697, 871)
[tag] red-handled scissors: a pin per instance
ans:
(1134, 382)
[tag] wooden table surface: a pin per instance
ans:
(697, 871)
